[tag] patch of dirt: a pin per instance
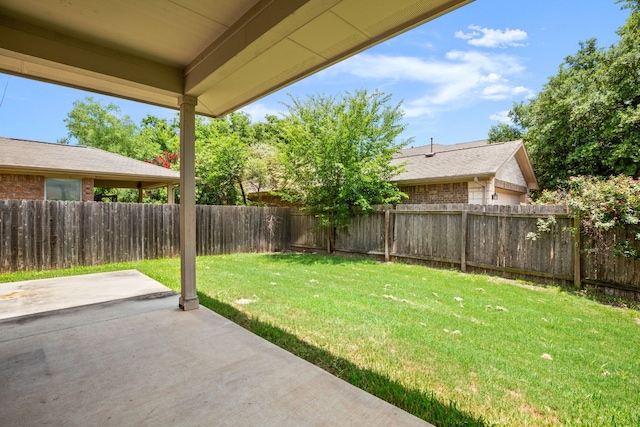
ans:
(548, 419)
(514, 394)
(473, 382)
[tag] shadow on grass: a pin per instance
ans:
(422, 405)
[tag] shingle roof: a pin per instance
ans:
(467, 160)
(23, 156)
(438, 148)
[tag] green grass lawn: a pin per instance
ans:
(452, 348)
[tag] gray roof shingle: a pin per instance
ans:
(23, 156)
(452, 161)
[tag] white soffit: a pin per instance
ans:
(227, 53)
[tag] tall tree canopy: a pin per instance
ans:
(221, 147)
(336, 154)
(221, 156)
(504, 133)
(586, 119)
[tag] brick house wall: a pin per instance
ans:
(31, 187)
(456, 192)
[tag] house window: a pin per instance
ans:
(63, 189)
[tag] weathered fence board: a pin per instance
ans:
(227, 229)
(494, 238)
(499, 242)
(37, 235)
(621, 275)
(430, 235)
(365, 234)
(304, 232)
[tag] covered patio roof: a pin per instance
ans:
(207, 57)
(225, 53)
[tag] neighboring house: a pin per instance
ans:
(473, 172)
(45, 171)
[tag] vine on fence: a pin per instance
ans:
(603, 205)
(542, 226)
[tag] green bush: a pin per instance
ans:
(603, 205)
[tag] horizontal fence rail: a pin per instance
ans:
(44, 235)
(488, 239)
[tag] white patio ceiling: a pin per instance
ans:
(227, 53)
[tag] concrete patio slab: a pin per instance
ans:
(139, 360)
(38, 296)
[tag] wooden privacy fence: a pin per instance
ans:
(42, 235)
(465, 236)
(481, 238)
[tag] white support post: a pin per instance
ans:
(188, 295)
(171, 194)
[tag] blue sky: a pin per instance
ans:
(455, 76)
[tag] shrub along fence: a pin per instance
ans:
(44, 235)
(478, 238)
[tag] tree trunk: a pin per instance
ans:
(244, 196)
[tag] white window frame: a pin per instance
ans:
(65, 196)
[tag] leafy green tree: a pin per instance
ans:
(504, 133)
(162, 134)
(263, 171)
(586, 120)
(269, 131)
(220, 162)
(336, 155)
(102, 126)
(221, 146)
(94, 124)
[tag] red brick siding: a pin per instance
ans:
(457, 192)
(19, 187)
(31, 187)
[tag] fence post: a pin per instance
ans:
(463, 242)
(387, 222)
(577, 279)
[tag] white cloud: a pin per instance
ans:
(258, 111)
(465, 36)
(502, 117)
(488, 37)
(499, 92)
(455, 81)
(493, 78)
(428, 45)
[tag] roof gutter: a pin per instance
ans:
(100, 175)
(442, 180)
(484, 190)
